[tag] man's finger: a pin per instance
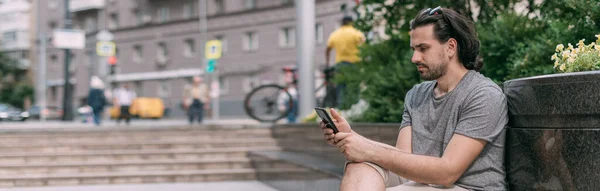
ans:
(342, 149)
(327, 131)
(340, 136)
(337, 117)
(322, 124)
(341, 143)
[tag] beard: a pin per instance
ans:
(433, 71)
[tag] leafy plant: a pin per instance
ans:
(582, 58)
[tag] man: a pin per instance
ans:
(453, 127)
(123, 99)
(196, 99)
(345, 41)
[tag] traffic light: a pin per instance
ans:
(210, 66)
(112, 61)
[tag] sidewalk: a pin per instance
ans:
(212, 186)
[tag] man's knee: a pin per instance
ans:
(360, 176)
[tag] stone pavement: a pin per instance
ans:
(208, 186)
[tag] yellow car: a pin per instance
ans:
(143, 107)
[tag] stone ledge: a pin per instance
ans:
(312, 162)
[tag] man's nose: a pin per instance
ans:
(417, 57)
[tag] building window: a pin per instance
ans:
(220, 6)
(162, 50)
(52, 4)
(52, 25)
(250, 83)
(139, 89)
(163, 89)
(250, 41)
(137, 53)
(223, 43)
(319, 33)
(53, 94)
(114, 21)
(223, 85)
(139, 17)
(90, 24)
(250, 4)
(163, 14)
(9, 36)
(190, 48)
(287, 37)
(53, 60)
(188, 10)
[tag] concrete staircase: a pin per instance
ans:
(79, 156)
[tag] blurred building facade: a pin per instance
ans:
(16, 31)
(159, 45)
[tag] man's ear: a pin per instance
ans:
(452, 47)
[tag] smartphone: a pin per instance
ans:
(322, 113)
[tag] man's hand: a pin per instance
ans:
(354, 146)
(341, 124)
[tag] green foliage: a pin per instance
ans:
(513, 44)
(13, 88)
(386, 74)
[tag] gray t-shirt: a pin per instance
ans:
(476, 108)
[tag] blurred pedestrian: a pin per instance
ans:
(123, 98)
(345, 40)
(96, 99)
(196, 99)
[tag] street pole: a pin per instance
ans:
(305, 23)
(215, 75)
(68, 88)
(41, 70)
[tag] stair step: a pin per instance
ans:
(127, 136)
(129, 155)
(138, 177)
(138, 166)
(123, 145)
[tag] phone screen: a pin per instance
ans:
(325, 117)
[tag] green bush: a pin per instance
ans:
(14, 88)
(387, 74)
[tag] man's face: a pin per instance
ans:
(126, 86)
(428, 53)
(197, 80)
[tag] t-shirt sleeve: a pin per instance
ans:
(484, 115)
(406, 118)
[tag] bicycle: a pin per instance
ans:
(272, 102)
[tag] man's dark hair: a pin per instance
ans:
(450, 24)
(347, 20)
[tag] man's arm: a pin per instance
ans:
(327, 54)
(458, 156)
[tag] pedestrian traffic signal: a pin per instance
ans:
(210, 65)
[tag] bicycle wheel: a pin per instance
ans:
(268, 103)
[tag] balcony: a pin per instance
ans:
(84, 5)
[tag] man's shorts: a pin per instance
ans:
(393, 182)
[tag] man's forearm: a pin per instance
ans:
(327, 57)
(418, 168)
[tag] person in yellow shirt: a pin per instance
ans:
(345, 40)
